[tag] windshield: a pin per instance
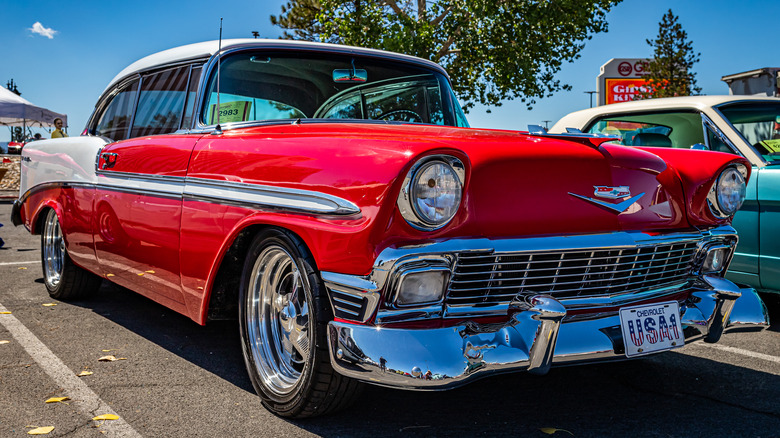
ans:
(267, 85)
(759, 124)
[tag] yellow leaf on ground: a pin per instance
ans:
(106, 417)
(5, 342)
(5, 313)
(48, 304)
(552, 430)
(21, 268)
(150, 272)
(57, 399)
(41, 430)
(106, 351)
(140, 273)
(84, 373)
(111, 358)
(110, 275)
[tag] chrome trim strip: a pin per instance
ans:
(51, 185)
(254, 195)
(211, 64)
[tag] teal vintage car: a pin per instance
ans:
(744, 125)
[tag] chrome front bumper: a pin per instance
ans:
(538, 335)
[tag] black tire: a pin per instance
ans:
(283, 331)
(63, 279)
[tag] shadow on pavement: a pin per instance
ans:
(672, 394)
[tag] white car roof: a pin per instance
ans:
(209, 48)
(579, 119)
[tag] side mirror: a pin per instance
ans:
(700, 147)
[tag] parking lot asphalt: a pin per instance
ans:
(173, 377)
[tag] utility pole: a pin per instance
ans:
(255, 33)
(591, 96)
(546, 123)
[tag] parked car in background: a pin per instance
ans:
(740, 125)
(334, 200)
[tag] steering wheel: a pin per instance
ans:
(406, 116)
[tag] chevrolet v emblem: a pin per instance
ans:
(620, 207)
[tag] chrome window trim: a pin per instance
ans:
(107, 97)
(708, 124)
(212, 63)
(745, 142)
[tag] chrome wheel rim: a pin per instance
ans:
(53, 250)
(277, 320)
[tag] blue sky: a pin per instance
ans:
(94, 40)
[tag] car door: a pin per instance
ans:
(768, 193)
(140, 185)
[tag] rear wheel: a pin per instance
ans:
(63, 279)
(283, 316)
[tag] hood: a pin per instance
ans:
(516, 185)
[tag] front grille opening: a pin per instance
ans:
(487, 278)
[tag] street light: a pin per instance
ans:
(255, 33)
(591, 96)
(546, 124)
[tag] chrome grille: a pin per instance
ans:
(490, 278)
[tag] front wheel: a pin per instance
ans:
(283, 317)
(63, 279)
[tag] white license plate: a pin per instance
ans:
(651, 327)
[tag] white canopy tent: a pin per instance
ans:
(15, 111)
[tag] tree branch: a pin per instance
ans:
(445, 48)
(397, 9)
(441, 17)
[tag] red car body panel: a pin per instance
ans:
(170, 250)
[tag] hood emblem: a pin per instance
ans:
(612, 192)
(609, 192)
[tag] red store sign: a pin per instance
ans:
(624, 90)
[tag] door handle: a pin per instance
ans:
(109, 159)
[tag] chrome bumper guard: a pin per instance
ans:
(538, 335)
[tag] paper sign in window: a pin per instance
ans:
(230, 112)
(773, 146)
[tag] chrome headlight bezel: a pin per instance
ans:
(717, 196)
(407, 204)
(724, 245)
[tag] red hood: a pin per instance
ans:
(516, 185)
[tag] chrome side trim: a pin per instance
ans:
(254, 195)
(228, 192)
(52, 185)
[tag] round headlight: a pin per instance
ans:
(730, 191)
(435, 193)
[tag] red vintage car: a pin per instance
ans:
(334, 200)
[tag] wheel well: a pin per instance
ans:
(223, 303)
(40, 220)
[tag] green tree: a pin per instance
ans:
(670, 72)
(494, 50)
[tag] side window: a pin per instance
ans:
(115, 120)
(192, 89)
(715, 143)
(161, 103)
